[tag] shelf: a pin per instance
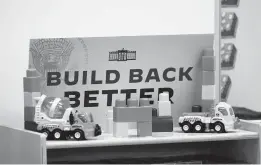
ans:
(157, 138)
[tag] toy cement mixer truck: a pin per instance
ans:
(58, 121)
(222, 120)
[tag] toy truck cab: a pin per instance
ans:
(224, 119)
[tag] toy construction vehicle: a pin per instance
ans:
(221, 120)
(57, 120)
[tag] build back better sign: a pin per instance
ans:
(94, 72)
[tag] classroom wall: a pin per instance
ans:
(245, 77)
(22, 20)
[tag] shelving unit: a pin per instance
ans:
(242, 145)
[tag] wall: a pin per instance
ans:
(246, 80)
(22, 20)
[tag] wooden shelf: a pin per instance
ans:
(158, 138)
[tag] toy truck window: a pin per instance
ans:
(83, 118)
(223, 111)
(59, 109)
(231, 111)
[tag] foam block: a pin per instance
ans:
(208, 52)
(132, 114)
(144, 102)
(162, 124)
(32, 84)
(120, 129)
(228, 55)
(144, 129)
(29, 100)
(208, 78)
(206, 105)
(164, 108)
(32, 73)
(120, 103)
(164, 96)
(208, 63)
(208, 92)
(154, 112)
(29, 113)
(196, 108)
(228, 24)
(132, 103)
(109, 122)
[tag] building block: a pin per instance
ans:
(196, 108)
(29, 98)
(208, 78)
(206, 105)
(229, 3)
(109, 122)
(208, 92)
(132, 103)
(164, 96)
(120, 129)
(162, 124)
(120, 103)
(32, 73)
(164, 108)
(144, 102)
(208, 63)
(228, 55)
(225, 86)
(144, 129)
(132, 114)
(228, 24)
(29, 113)
(32, 84)
(208, 52)
(154, 112)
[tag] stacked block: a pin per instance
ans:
(228, 24)
(162, 124)
(109, 122)
(229, 3)
(31, 91)
(208, 80)
(225, 86)
(164, 105)
(138, 111)
(228, 54)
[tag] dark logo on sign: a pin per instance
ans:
(50, 54)
(122, 55)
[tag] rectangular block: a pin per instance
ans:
(31, 73)
(162, 124)
(32, 84)
(208, 92)
(144, 129)
(29, 113)
(133, 125)
(208, 63)
(154, 112)
(109, 126)
(132, 114)
(206, 105)
(29, 100)
(208, 52)
(120, 129)
(208, 78)
(164, 108)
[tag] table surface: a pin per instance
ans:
(157, 138)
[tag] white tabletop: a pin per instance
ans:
(157, 138)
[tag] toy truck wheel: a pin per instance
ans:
(78, 135)
(219, 127)
(46, 132)
(186, 127)
(57, 134)
(199, 127)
